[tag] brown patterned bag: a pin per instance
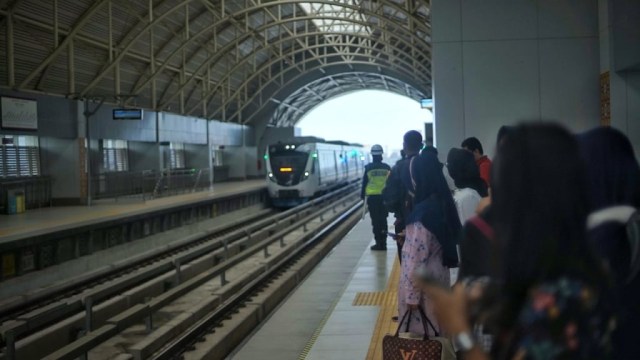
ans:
(395, 347)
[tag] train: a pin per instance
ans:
(302, 167)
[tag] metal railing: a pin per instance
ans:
(149, 183)
(36, 189)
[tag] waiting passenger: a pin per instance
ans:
(375, 176)
(474, 146)
(394, 195)
(470, 187)
(553, 291)
(613, 176)
(431, 233)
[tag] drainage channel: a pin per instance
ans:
(73, 325)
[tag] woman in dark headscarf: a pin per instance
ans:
(464, 171)
(613, 176)
(470, 187)
(431, 235)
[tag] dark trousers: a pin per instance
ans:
(399, 227)
(378, 213)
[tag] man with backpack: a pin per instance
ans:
(395, 193)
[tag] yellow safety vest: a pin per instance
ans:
(376, 178)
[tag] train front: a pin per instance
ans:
(289, 175)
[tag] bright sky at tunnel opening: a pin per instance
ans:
(366, 117)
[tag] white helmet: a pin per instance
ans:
(376, 150)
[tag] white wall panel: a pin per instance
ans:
(235, 157)
(497, 19)
(197, 156)
(522, 60)
(103, 126)
(60, 159)
(448, 95)
(568, 18)
(143, 156)
(501, 86)
(569, 78)
(447, 25)
(251, 156)
(633, 110)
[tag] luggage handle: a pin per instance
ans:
(425, 321)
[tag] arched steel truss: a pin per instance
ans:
(293, 108)
(222, 59)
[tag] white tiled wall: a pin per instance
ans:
(498, 19)
(569, 82)
(496, 62)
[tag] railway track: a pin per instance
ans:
(74, 320)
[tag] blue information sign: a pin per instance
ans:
(127, 114)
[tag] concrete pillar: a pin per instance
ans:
(619, 35)
(498, 62)
(83, 154)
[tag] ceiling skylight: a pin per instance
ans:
(341, 17)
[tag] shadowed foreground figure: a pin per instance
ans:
(613, 176)
(553, 295)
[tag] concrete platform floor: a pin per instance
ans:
(318, 320)
(342, 310)
(39, 221)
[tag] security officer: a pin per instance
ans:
(375, 176)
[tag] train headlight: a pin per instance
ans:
(305, 175)
(270, 175)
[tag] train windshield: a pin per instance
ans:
(288, 166)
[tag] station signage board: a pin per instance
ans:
(426, 103)
(127, 114)
(19, 113)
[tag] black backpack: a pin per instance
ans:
(394, 192)
(630, 218)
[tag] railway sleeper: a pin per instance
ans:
(234, 330)
(29, 346)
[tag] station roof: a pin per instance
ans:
(244, 61)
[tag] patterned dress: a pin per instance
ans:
(421, 248)
(564, 319)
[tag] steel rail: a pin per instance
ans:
(192, 335)
(203, 244)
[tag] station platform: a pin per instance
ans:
(41, 238)
(46, 220)
(341, 311)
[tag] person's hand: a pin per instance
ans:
(450, 306)
(484, 202)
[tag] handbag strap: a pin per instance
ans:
(425, 321)
(404, 317)
(483, 226)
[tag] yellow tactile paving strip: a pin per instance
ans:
(380, 298)
(388, 302)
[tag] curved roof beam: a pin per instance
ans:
(228, 48)
(283, 87)
(280, 75)
(274, 44)
(246, 12)
(306, 98)
(82, 21)
(373, 60)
